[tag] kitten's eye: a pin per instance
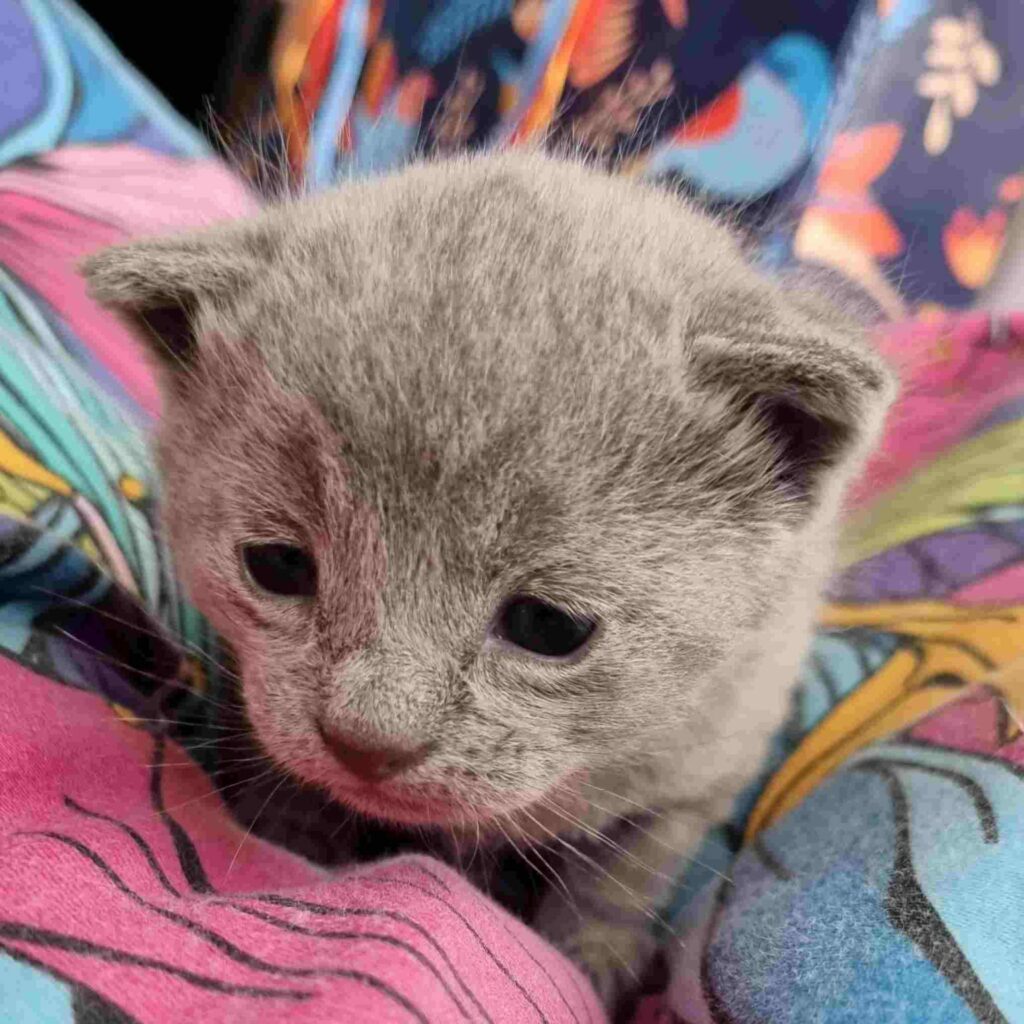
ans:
(542, 628)
(282, 569)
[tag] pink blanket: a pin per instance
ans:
(123, 879)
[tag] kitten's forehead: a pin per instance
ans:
(491, 202)
(495, 239)
(491, 311)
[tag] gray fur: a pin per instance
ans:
(500, 374)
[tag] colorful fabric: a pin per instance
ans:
(874, 874)
(882, 868)
(129, 893)
(816, 122)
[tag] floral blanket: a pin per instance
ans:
(874, 873)
(883, 138)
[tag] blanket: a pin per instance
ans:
(881, 138)
(873, 873)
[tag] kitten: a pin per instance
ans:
(513, 487)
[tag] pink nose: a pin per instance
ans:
(372, 762)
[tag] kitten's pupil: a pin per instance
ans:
(282, 569)
(542, 628)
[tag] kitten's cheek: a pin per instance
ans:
(290, 746)
(211, 599)
(269, 721)
(556, 811)
(252, 691)
(569, 795)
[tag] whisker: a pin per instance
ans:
(476, 847)
(553, 876)
(566, 894)
(635, 898)
(118, 663)
(456, 848)
(168, 637)
(198, 722)
(218, 791)
(344, 823)
(606, 840)
(221, 739)
(653, 836)
(252, 824)
(220, 761)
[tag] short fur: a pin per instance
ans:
(497, 375)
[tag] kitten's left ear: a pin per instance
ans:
(820, 395)
(156, 287)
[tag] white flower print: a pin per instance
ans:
(959, 60)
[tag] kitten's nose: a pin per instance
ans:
(372, 762)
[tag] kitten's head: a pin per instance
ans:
(486, 469)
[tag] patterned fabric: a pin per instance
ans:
(816, 122)
(875, 873)
(88, 154)
(129, 894)
(882, 869)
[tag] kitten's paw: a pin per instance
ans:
(613, 956)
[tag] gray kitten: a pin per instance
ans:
(513, 487)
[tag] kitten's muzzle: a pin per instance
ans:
(369, 761)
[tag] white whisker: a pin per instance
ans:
(635, 898)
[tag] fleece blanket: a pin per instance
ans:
(874, 873)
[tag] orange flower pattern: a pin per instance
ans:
(972, 245)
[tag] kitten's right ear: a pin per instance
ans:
(156, 286)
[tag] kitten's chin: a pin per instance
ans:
(401, 807)
(535, 819)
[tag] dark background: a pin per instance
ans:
(197, 54)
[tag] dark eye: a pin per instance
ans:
(542, 628)
(282, 569)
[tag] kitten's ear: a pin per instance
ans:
(155, 286)
(821, 398)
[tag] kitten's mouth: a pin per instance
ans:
(534, 820)
(404, 806)
(376, 781)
